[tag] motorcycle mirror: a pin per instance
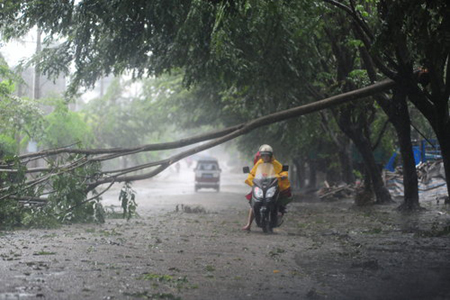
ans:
(246, 169)
(285, 168)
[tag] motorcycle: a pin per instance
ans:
(265, 194)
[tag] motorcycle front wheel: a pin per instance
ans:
(266, 224)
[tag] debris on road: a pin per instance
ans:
(335, 192)
(431, 178)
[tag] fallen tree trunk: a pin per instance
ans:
(264, 121)
(216, 138)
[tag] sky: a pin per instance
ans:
(15, 51)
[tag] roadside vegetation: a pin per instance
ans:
(211, 72)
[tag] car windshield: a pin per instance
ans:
(207, 166)
(265, 171)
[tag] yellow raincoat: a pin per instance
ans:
(283, 184)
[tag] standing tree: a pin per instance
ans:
(410, 36)
(354, 119)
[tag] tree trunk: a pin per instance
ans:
(357, 131)
(410, 181)
(312, 184)
(367, 180)
(346, 164)
(397, 110)
(300, 172)
(443, 136)
(342, 143)
(381, 192)
(435, 109)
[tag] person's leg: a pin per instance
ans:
(249, 220)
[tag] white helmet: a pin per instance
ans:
(265, 149)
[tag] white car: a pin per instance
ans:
(207, 174)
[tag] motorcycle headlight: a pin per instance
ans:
(271, 192)
(258, 193)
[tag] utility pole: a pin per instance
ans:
(37, 69)
(32, 147)
(102, 87)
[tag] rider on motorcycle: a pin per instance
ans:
(266, 156)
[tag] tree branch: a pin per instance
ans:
(447, 77)
(219, 137)
(150, 147)
(374, 58)
(352, 12)
(365, 35)
(380, 134)
(263, 121)
(92, 198)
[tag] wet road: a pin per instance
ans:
(324, 250)
(169, 189)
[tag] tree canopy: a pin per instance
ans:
(230, 63)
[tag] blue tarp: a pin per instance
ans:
(390, 166)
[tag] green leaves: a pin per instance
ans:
(127, 197)
(66, 191)
(18, 117)
(68, 198)
(63, 127)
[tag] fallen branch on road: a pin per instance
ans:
(91, 156)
